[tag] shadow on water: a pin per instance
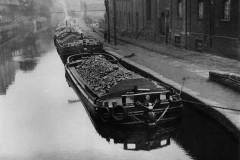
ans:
(139, 139)
(199, 135)
(21, 53)
(205, 138)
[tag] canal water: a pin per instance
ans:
(41, 118)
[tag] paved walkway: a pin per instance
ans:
(178, 64)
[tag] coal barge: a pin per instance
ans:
(70, 40)
(115, 94)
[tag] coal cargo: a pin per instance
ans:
(70, 39)
(101, 75)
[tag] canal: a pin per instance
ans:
(41, 118)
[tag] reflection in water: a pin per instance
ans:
(138, 139)
(200, 136)
(27, 65)
(7, 70)
(7, 75)
(20, 53)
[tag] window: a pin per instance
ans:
(177, 40)
(148, 9)
(162, 23)
(129, 18)
(200, 9)
(227, 10)
(180, 9)
(137, 21)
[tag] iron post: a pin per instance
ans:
(108, 20)
(114, 22)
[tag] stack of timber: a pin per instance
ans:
(229, 79)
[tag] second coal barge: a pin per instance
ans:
(113, 93)
(70, 40)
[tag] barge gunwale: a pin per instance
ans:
(81, 87)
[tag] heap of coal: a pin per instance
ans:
(100, 75)
(66, 36)
(62, 30)
(73, 37)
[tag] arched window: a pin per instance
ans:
(180, 9)
(200, 9)
(227, 10)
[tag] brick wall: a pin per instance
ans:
(226, 36)
(226, 28)
(209, 33)
(132, 18)
(159, 21)
(177, 24)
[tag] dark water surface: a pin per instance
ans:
(41, 118)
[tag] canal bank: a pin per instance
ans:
(196, 87)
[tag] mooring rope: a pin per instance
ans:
(230, 109)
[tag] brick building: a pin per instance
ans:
(141, 18)
(209, 25)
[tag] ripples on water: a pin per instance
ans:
(42, 119)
